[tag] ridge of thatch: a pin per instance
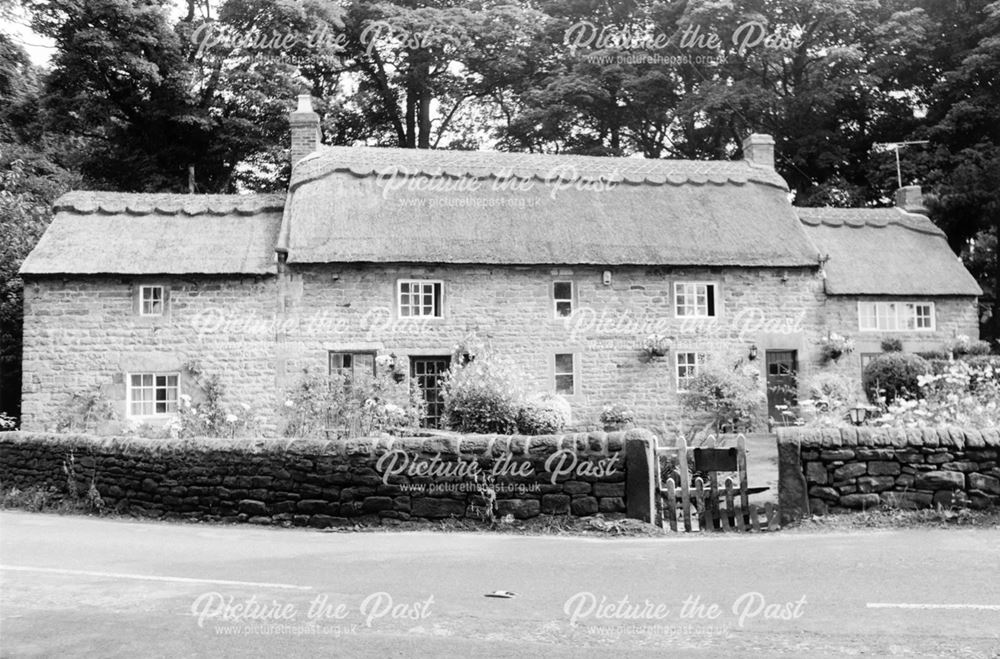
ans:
(131, 233)
(885, 251)
(384, 161)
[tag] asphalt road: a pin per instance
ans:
(76, 586)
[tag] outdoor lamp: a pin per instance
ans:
(858, 415)
(753, 352)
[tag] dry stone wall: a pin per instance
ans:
(331, 483)
(836, 470)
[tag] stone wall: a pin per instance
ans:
(82, 333)
(512, 309)
(836, 470)
(326, 483)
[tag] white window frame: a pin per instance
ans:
(556, 373)
(716, 301)
(557, 300)
(699, 360)
(129, 389)
(142, 299)
(422, 283)
(350, 374)
(897, 315)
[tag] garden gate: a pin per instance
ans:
(688, 506)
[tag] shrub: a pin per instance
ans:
(964, 393)
(831, 391)
(962, 345)
(482, 395)
(892, 344)
(894, 375)
(617, 414)
(320, 404)
(7, 422)
(85, 411)
(729, 389)
(932, 355)
(544, 414)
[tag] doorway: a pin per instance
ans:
(428, 372)
(782, 383)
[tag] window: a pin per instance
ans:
(152, 394)
(688, 364)
(895, 316)
(562, 295)
(151, 299)
(419, 298)
(565, 374)
(694, 300)
(352, 365)
(866, 358)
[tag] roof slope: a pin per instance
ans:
(112, 233)
(355, 204)
(885, 251)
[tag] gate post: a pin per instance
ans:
(642, 487)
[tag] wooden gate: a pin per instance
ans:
(694, 506)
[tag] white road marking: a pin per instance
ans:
(979, 607)
(146, 577)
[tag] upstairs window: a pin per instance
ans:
(151, 300)
(352, 365)
(895, 316)
(694, 300)
(152, 394)
(562, 296)
(419, 298)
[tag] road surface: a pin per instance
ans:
(77, 586)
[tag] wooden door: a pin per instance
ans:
(782, 383)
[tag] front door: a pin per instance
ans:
(782, 385)
(428, 372)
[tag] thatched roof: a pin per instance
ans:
(885, 251)
(112, 233)
(352, 204)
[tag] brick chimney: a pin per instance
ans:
(759, 150)
(305, 129)
(911, 199)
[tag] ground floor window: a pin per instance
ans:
(565, 374)
(688, 366)
(152, 394)
(352, 365)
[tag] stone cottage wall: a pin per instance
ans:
(835, 470)
(512, 309)
(326, 483)
(85, 332)
(954, 316)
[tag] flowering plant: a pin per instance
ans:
(655, 345)
(617, 414)
(834, 346)
(963, 345)
(962, 394)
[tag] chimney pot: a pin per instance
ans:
(304, 124)
(910, 198)
(759, 150)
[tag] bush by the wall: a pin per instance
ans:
(894, 375)
(482, 395)
(543, 414)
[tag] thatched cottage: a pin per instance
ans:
(570, 265)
